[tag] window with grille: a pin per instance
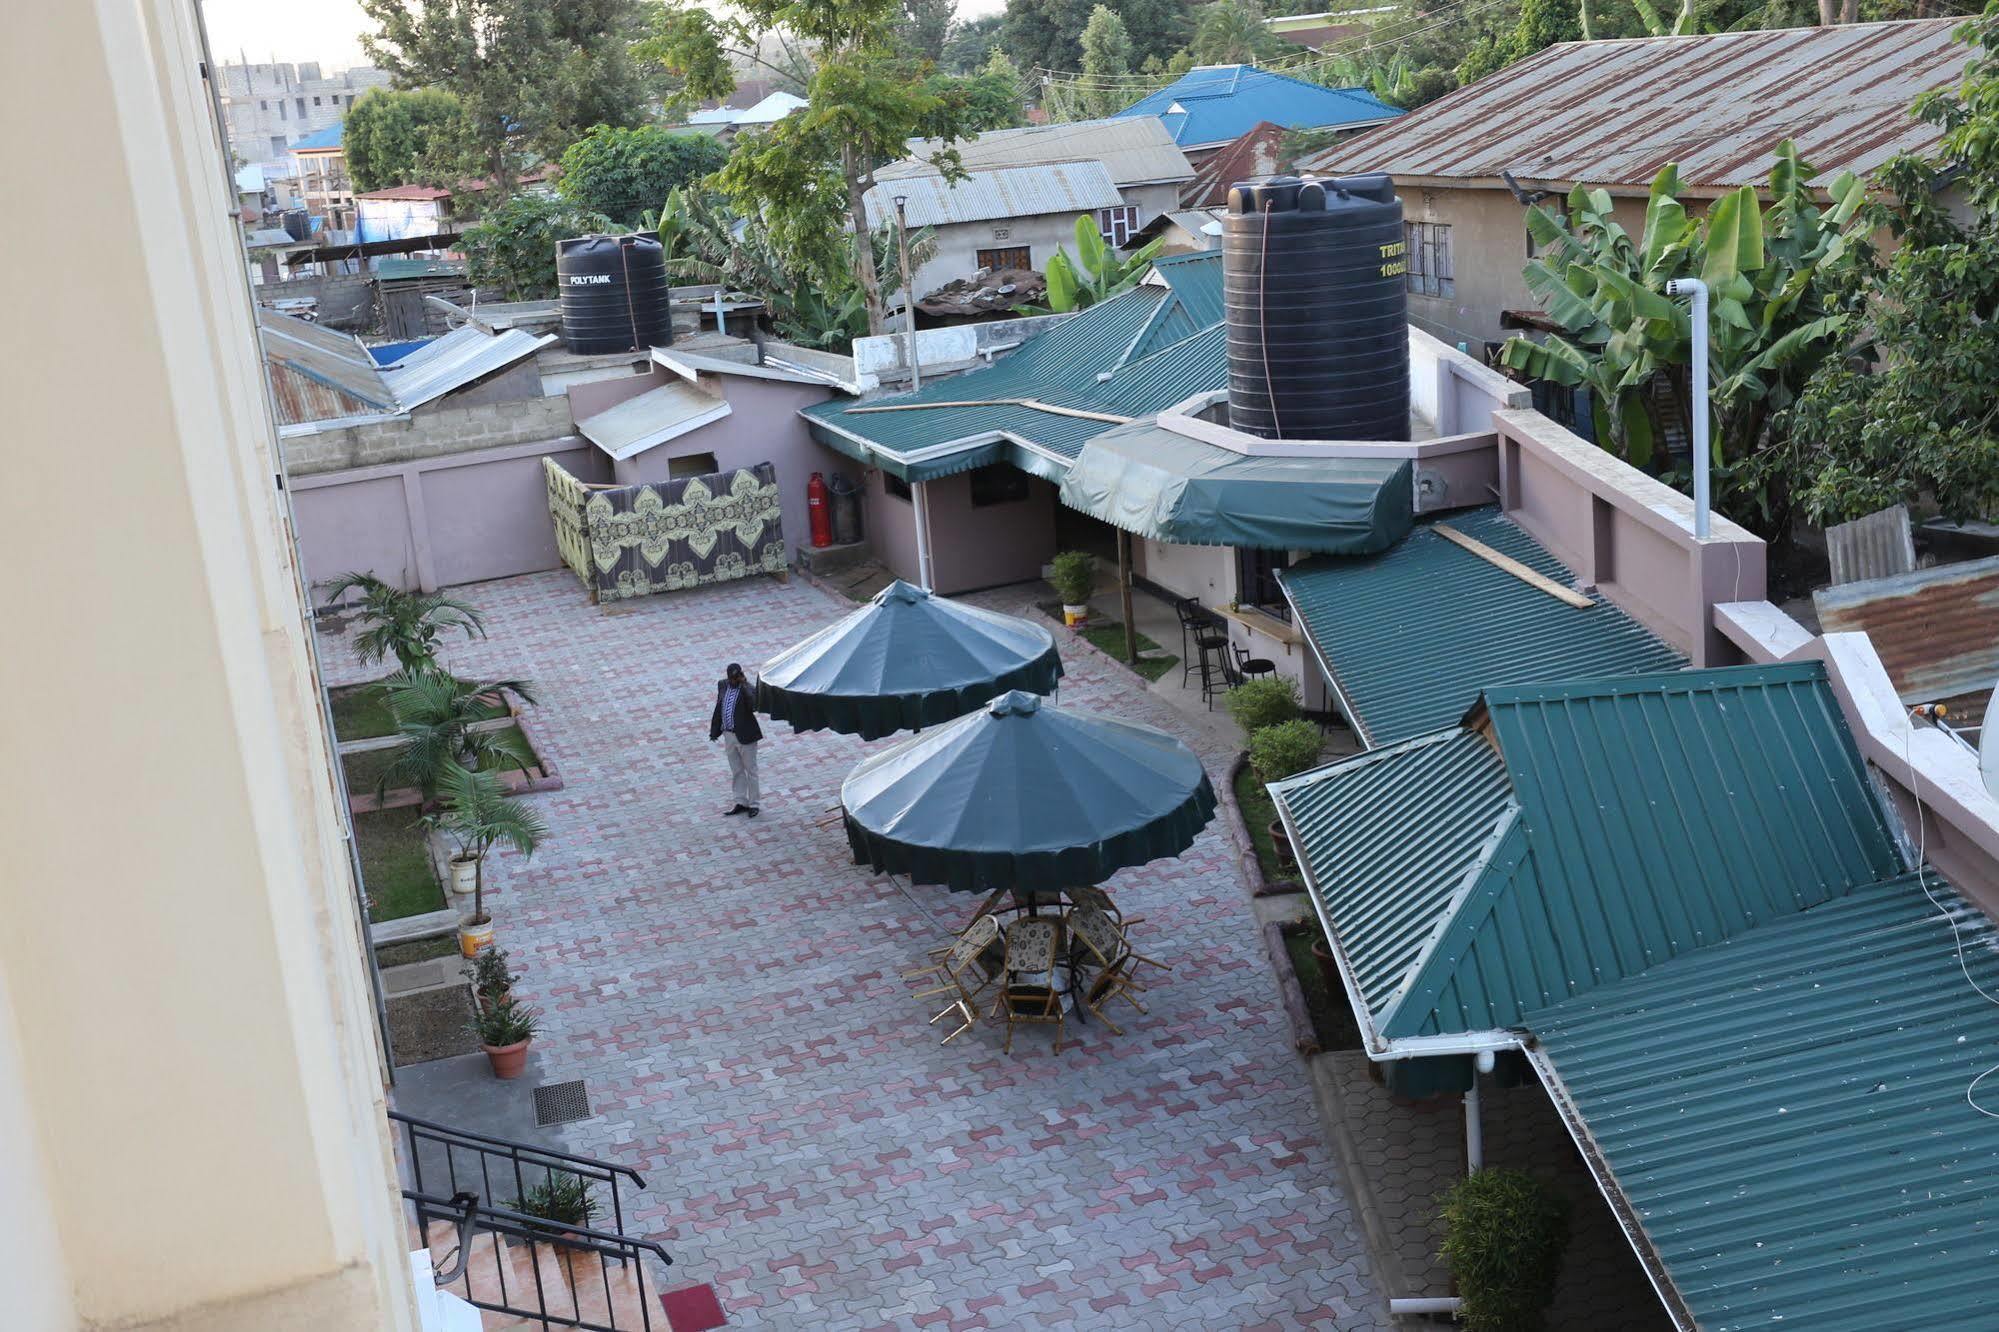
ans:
(1429, 246)
(1014, 256)
(1117, 224)
(1256, 580)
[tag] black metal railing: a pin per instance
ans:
(575, 1276)
(520, 1164)
(533, 1267)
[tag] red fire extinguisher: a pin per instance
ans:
(821, 513)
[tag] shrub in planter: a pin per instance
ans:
(1264, 701)
(1504, 1235)
(562, 1198)
(437, 718)
(403, 625)
(1075, 577)
(505, 1030)
(1284, 750)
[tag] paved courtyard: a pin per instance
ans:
(731, 994)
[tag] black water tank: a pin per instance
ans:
(613, 294)
(1317, 311)
(296, 222)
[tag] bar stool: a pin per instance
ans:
(1249, 667)
(1218, 664)
(1189, 612)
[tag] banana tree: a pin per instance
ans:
(1101, 272)
(1769, 271)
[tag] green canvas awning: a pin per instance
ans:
(1157, 483)
(1025, 796)
(906, 659)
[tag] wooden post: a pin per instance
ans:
(1124, 595)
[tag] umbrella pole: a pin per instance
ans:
(1124, 596)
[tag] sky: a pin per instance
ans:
(329, 30)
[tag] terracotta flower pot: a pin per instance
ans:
(1280, 843)
(1323, 953)
(507, 1060)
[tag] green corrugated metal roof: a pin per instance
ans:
(1410, 636)
(1786, 1114)
(1390, 836)
(1656, 815)
(1145, 340)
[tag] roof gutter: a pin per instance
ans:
(1606, 1182)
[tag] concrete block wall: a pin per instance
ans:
(429, 434)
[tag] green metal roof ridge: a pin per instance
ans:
(1609, 686)
(1376, 914)
(1413, 1009)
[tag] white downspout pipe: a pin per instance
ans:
(921, 514)
(1696, 292)
(1474, 1131)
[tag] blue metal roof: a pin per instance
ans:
(1159, 343)
(1408, 637)
(319, 139)
(1786, 1115)
(1645, 817)
(1217, 103)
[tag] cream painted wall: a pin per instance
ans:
(192, 1053)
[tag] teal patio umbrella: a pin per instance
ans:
(1027, 796)
(907, 659)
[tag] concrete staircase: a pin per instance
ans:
(572, 1287)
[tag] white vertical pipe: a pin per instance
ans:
(1696, 292)
(1474, 1130)
(922, 516)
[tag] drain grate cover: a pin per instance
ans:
(560, 1103)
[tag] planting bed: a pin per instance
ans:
(431, 1024)
(395, 865)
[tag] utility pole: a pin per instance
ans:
(908, 292)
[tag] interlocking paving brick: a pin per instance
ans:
(732, 993)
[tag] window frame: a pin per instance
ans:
(1118, 225)
(1026, 253)
(1009, 483)
(1256, 580)
(1431, 270)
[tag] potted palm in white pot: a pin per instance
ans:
(478, 815)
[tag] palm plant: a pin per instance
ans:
(403, 625)
(438, 715)
(478, 815)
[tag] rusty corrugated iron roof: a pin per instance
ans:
(1612, 113)
(1935, 630)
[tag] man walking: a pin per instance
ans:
(735, 725)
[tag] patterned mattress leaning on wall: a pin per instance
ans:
(632, 541)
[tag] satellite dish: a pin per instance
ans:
(1988, 748)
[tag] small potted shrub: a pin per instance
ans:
(1279, 751)
(505, 1031)
(1075, 577)
(1504, 1236)
(1263, 701)
(492, 978)
(562, 1198)
(479, 814)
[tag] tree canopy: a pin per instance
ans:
(530, 76)
(624, 173)
(807, 175)
(1911, 413)
(513, 247)
(971, 44)
(392, 137)
(924, 27)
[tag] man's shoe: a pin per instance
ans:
(751, 812)
(739, 809)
